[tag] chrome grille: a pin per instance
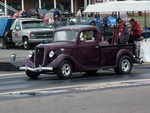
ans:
(39, 55)
(44, 35)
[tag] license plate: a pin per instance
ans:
(46, 41)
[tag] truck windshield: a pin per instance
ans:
(65, 35)
(33, 24)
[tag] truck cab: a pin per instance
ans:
(78, 48)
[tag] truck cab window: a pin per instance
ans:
(87, 36)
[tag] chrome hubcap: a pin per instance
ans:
(66, 69)
(25, 44)
(125, 65)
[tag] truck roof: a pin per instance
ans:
(77, 27)
(28, 19)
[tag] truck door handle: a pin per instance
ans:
(96, 47)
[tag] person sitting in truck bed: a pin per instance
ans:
(135, 31)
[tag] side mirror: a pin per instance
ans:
(17, 28)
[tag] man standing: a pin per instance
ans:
(79, 16)
(135, 31)
(23, 14)
(121, 33)
(56, 15)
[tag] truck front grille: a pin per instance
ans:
(39, 55)
(44, 35)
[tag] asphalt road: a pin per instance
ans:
(122, 100)
(103, 92)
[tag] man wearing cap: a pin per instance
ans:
(121, 33)
(135, 31)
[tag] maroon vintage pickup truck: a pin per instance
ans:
(78, 49)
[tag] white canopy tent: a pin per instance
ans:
(118, 6)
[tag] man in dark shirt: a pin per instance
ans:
(23, 14)
(122, 33)
(56, 15)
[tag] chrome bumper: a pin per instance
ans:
(38, 69)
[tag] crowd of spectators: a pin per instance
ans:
(112, 29)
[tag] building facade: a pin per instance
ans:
(70, 5)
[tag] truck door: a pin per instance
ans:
(108, 55)
(16, 33)
(88, 49)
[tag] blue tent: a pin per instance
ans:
(5, 24)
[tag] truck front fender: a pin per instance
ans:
(28, 62)
(56, 62)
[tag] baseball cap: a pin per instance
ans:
(119, 19)
(132, 20)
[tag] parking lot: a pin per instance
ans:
(6, 60)
(5, 54)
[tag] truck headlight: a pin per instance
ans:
(31, 54)
(51, 54)
(32, 35)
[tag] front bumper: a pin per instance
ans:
(38, 69)
(35, 40)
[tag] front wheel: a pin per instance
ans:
(32, 75)
(26, 44)
(64, 71)
(124, 66)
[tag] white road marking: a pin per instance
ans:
(84, 86)
(12, 74)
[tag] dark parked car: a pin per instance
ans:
(42, 12)
(33, 13)
(77, 49)
(38, 13)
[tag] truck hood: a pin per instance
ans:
(56, 45)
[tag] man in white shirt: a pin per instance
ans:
(79, 16)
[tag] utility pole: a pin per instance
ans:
(5, 7)
(22, 4)
(55, 4)
(40, 4)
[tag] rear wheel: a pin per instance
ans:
(64, 71)
(7, 40)
(124, 66)
(4, 43)
(32, 75)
